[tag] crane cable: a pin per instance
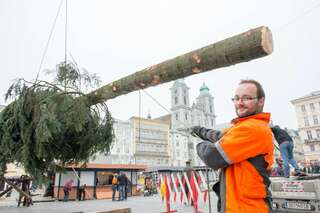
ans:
(49, 39)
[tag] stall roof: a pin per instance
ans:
(108, 166)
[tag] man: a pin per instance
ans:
(122, 184)
(243, 153)
(82, 192)
(66, 188)
(127, 187)
(189, 171)
(286, 151)
(114, 186)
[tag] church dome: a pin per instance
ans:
(180, 82)
(204, 88)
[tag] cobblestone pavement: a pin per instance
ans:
(139, 204)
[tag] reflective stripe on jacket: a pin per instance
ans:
(244, 154)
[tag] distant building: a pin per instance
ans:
(308, 116)
(183, 116)
(122, 149)
(150, 142)
(166, 140)
(139, 141)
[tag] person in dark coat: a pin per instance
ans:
(286, 151)
(121, 187)
(188, 170)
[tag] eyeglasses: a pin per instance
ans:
(244, 99)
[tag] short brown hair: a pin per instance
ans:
(260, 91)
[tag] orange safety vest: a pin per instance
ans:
(245, 156)
(114, 180)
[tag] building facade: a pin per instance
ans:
(150, 142)
(139, 141)
(183, 116)
(163, 141)
(307, 110)
(121, 151)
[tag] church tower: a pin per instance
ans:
(205, 104)
(180, 105)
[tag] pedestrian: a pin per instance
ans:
(82, 192)
(279, 171)
(188, 171)
(114, 183)
(66, 189)
(242, 152)
(127, 185)
(286, 151)
(122, 183)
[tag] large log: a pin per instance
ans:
(244, 47)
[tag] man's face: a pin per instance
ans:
(246, 102)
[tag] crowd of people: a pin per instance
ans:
(120, 184)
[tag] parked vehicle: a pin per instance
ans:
(295, 194)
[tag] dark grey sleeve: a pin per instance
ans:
(214, 135)
(210, 154)
(206, 134)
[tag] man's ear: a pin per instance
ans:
(261, 102)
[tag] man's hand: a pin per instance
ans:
(195, 131)
(206, 134)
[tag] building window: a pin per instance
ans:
(318, 133)
(312, 107)
(303, 108)
(312, 147)
(175, 100)
(306, 121)
(177, 144)
(178, 154)
(185, 100)
(210, 108)
(309, 134)
(186, 116)
(315, 120)
(177, 116)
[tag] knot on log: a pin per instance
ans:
(196, 70)
(248, 33)
(156, 79)
(197, 58)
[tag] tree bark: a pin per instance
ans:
(244, 47)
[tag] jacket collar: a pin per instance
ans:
(264, 116)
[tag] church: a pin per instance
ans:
(183, 116)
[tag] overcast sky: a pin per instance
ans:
(117, 38)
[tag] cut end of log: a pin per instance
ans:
(266, 40)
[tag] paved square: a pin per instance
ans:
(138, 204)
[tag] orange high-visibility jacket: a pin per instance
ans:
(245, 155)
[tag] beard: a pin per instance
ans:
(244, 112)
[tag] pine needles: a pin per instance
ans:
(48, 124)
